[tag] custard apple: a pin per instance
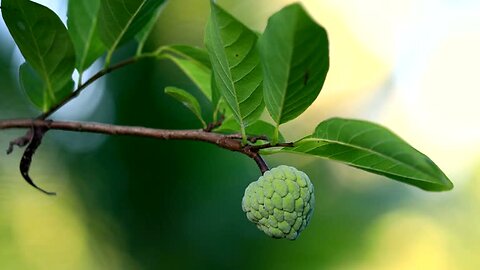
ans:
(280, 202)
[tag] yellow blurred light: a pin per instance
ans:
(47, 235)
(356, 70)
(44, 232)
(406, 240)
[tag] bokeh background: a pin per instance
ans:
(135, 203)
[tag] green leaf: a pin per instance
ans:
(236, 65)
(36, 90)
(149, 10)
(45, 43)
(143, 34)
(216, 95)
(194, 62)
(188, 100)
(220, 107)
(294, 53)
(83, 28)
(258, 128)
(375, 149)
(121, 20)
(195, 54)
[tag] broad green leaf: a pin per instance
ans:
(194, 62)
(188, 100)
(195, 54)
(149, 9)
(294, 53)
(143, 34)
(258, 128)
(121, 20)
(216, 95)
(375, 149)
(220, 107)
(83, 28)
(236, 65)
(44, 42)
(35, 88)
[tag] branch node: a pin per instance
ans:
(214, 125)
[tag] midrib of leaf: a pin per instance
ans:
(271, 152)
(150, 25)
(173, 59)
(85, 51)
(228, 71)
(282, 103)
(44, 69)
(88, 43)
(122, 33)
(372, 152)
(192, 59)
(170, 49)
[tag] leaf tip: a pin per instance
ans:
(449, 185)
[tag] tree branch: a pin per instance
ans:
(226, 141)
(221, 140)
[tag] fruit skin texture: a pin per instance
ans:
(280, 202)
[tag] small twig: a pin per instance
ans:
(214, 125)
(20, 141)
(82, 86)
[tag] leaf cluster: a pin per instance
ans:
(243, 75)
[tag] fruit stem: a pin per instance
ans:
(261, 163)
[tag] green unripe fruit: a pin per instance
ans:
(280, 202)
